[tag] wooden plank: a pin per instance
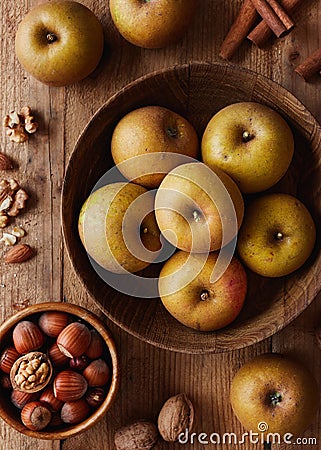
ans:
(298, 338)
(39, 169)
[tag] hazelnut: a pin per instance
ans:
(48, 398)
(57, 358)
(141, 435)
(35, 416)
(176, 415)
(31, 372)
(53, 322)
(8, 358)
(5, 382)
(74, 340)
(27, 336)
(75, 412)
(95, 397)
(79, 364)
(56, 420)
(97, 373)
(20, 399)
(96, 346)
(69, 386)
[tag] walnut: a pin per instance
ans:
(19, 203)
(31, 372)
(19, 126)
(176, 415)
(30, 125)
(140, 435)
(4, 219)
(12, 200)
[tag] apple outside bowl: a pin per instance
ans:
(10, 414)
(197, 91)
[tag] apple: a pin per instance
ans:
(150, 23)
(156, 131)
(277, 390)
(251, 142)
(187, 292)
(277, 235)
(59, 42)
(118, 229)
(198, 209)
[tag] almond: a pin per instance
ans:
(5, 163)
(18, 254)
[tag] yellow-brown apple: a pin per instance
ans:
(251, 142)
(198, 209)
(187, 292)
(277, 235)
(152, 23)
(152, 130)
(115, 230)
(274, 392)
(59, 42)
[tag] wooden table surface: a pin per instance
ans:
(149, 375)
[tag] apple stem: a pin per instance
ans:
(196, 216)
(205, 295)
(51, 37)
(247, 136)
(275, 398)
(172, 132)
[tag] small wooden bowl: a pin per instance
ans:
(12, 415)
(197, 91)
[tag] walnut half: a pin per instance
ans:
(19, 126)
(12, 200)
(31, 372)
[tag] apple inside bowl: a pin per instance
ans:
(197, 91)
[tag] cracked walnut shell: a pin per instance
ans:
(31, 372)
(176, 415)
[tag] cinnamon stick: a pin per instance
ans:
(262, 32)
(268, 14)
(243, 24)
(282, 14)
(310, 66)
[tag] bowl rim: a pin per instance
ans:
(96, 323)
(313, 128)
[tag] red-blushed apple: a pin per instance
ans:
(251, 142)
(152, 23)
(198, 209)
(187, 292)
(115, 230)
(274, 392)
(152, 130)
(277, 235)
(59, 42)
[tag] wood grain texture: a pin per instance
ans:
(150, 375)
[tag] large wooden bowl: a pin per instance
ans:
(197, 91)
(12, 415)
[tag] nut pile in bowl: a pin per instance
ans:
(56, 371)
